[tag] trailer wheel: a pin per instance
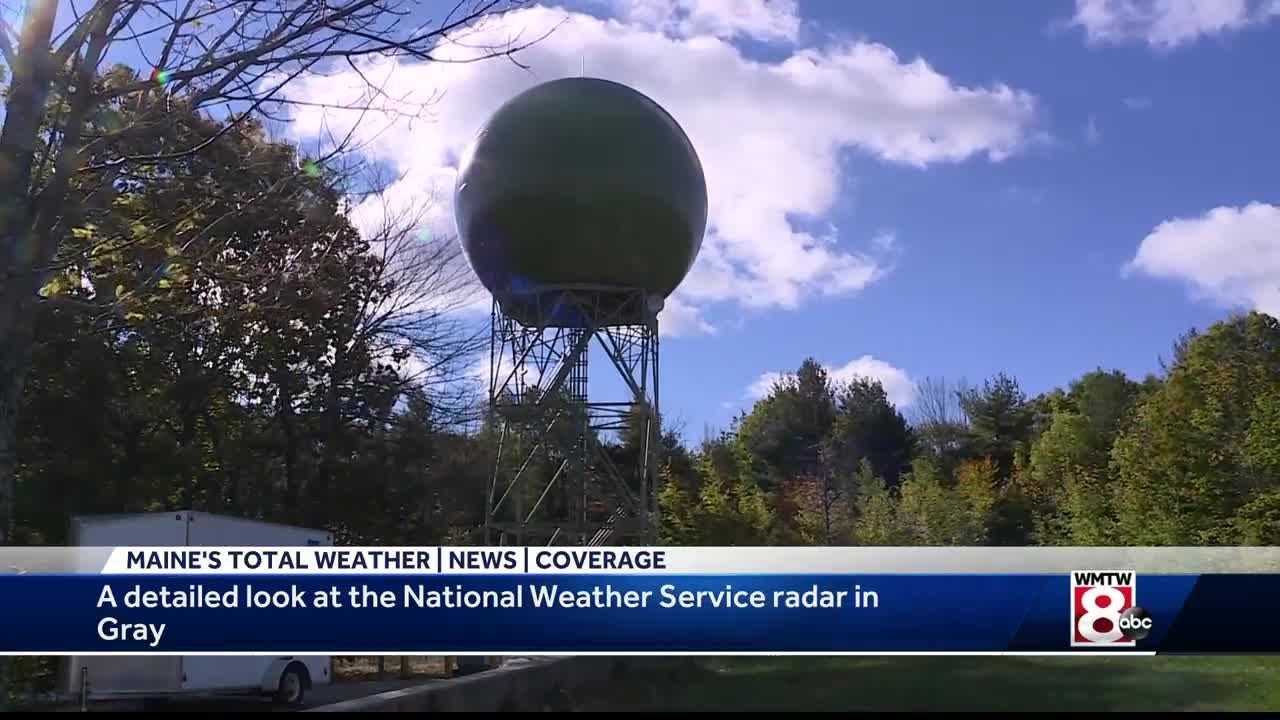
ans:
(293, 686)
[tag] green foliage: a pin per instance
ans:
(678, 512)
(945, 443)
(1087, 503)
(1188, 458)
(1069, 497)
(1105, 399)
(976, 491)
(823, 510)
(868, 428)
(783, 435)
(1000, 421)
(30, 678)
(938, 514)
(732, 513)
(1060, 453)
(1200, 453)
(1258, 521)
(879, 519)
(725, 508)
(804, 442)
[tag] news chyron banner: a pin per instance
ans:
(670, 601)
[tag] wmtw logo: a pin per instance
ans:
(1104, 610)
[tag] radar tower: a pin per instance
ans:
(581, 206)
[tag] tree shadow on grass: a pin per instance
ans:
(958, 683)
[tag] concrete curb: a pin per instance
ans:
(526, 683)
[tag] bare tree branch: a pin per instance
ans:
(80, 31)
(6, 43)
(167, 52)
(428, 285)
(260, 41)
(48, 203)
(162, 157)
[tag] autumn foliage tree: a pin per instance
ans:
(67, 146)
(239, 344)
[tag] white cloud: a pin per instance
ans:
(766, 20)
(1168, 24)
(1229, 255)
(898, 385)
(763, 385)
(771, 135)
(679, 318)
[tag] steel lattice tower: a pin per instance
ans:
(553, 481)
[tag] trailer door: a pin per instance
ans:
(120, 676)
(224, 672)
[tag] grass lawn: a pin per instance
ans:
(952, 683)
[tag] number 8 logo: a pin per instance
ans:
(1097, 612)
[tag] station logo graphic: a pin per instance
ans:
(1105, 611)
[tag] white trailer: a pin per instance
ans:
(285, 679)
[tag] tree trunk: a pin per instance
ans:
(27, 229)
(131, 468)
(15, 357)
(326, 477)
(193, 402)
(186, 441)
(32, 74)
(228, 477)
(292, 481)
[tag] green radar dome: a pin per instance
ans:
(580, 182)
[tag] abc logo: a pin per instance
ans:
(1134, 623)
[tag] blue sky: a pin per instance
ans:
(1019, 265)
(908, 189)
